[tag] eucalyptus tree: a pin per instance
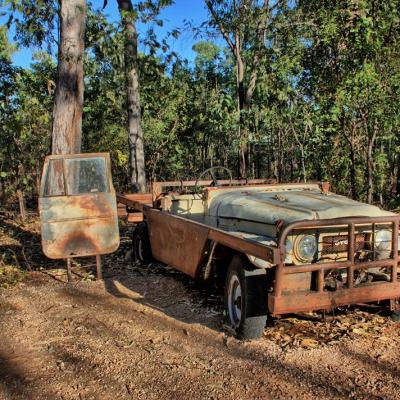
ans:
(25, 125)
(58, 26)
(130, 13)
(213, 99)
(352, 75)
(7, 81)
(135, 133)
(68, 100)
(243, 25)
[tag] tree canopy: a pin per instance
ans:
(323, 106)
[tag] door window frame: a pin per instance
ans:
(63, 157)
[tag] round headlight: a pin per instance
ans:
(383, 240)
(307, 247)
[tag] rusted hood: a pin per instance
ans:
(291, 205)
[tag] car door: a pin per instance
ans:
(77, 206)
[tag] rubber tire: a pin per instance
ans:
(141, 244)
(396, 315)
(254, 298)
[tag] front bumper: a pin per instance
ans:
(283, 301)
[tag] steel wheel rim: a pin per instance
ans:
(235, 300)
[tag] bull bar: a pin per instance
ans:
(298, 301)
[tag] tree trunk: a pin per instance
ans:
(302, 151)
(244, 94)
(369, 175)
(21, 201)
(303, 163)
(243, 140)
(370, 166)
(68, 101)
(397, 175)
(135, 133)
(242, 129)
(350, 137)
(353, 188)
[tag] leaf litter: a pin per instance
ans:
(311, 331)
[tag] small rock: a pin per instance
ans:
(61, 365)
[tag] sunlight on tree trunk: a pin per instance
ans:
(68, 102)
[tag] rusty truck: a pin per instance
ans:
(280, 248)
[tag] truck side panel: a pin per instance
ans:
(177, 242)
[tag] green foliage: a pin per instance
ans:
(35, 21)
(352, 66)
(325, 104)
(6, 49)
(10, 276)
(26, 99)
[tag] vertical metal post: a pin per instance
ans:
(395, 249)
(98, 267)
(373, 242)
(279, 268)
(321, 280)
(69, 272)
(279, 279)
(350, 255)
(21, 201)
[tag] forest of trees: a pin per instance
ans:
(304, 90)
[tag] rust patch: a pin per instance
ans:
(79, 244)
(81, 224)
(177, 242)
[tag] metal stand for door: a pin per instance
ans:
(98, 269)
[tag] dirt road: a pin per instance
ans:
(149, 337)
(150, 333)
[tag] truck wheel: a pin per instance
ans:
(396, 316)
(141, 244)
(246, 298)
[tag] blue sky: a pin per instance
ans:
(173, 16)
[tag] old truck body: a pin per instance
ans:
(283, 248)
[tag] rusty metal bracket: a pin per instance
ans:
(98, 267)
(395, 304)
(69, 270)
(207, 269)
